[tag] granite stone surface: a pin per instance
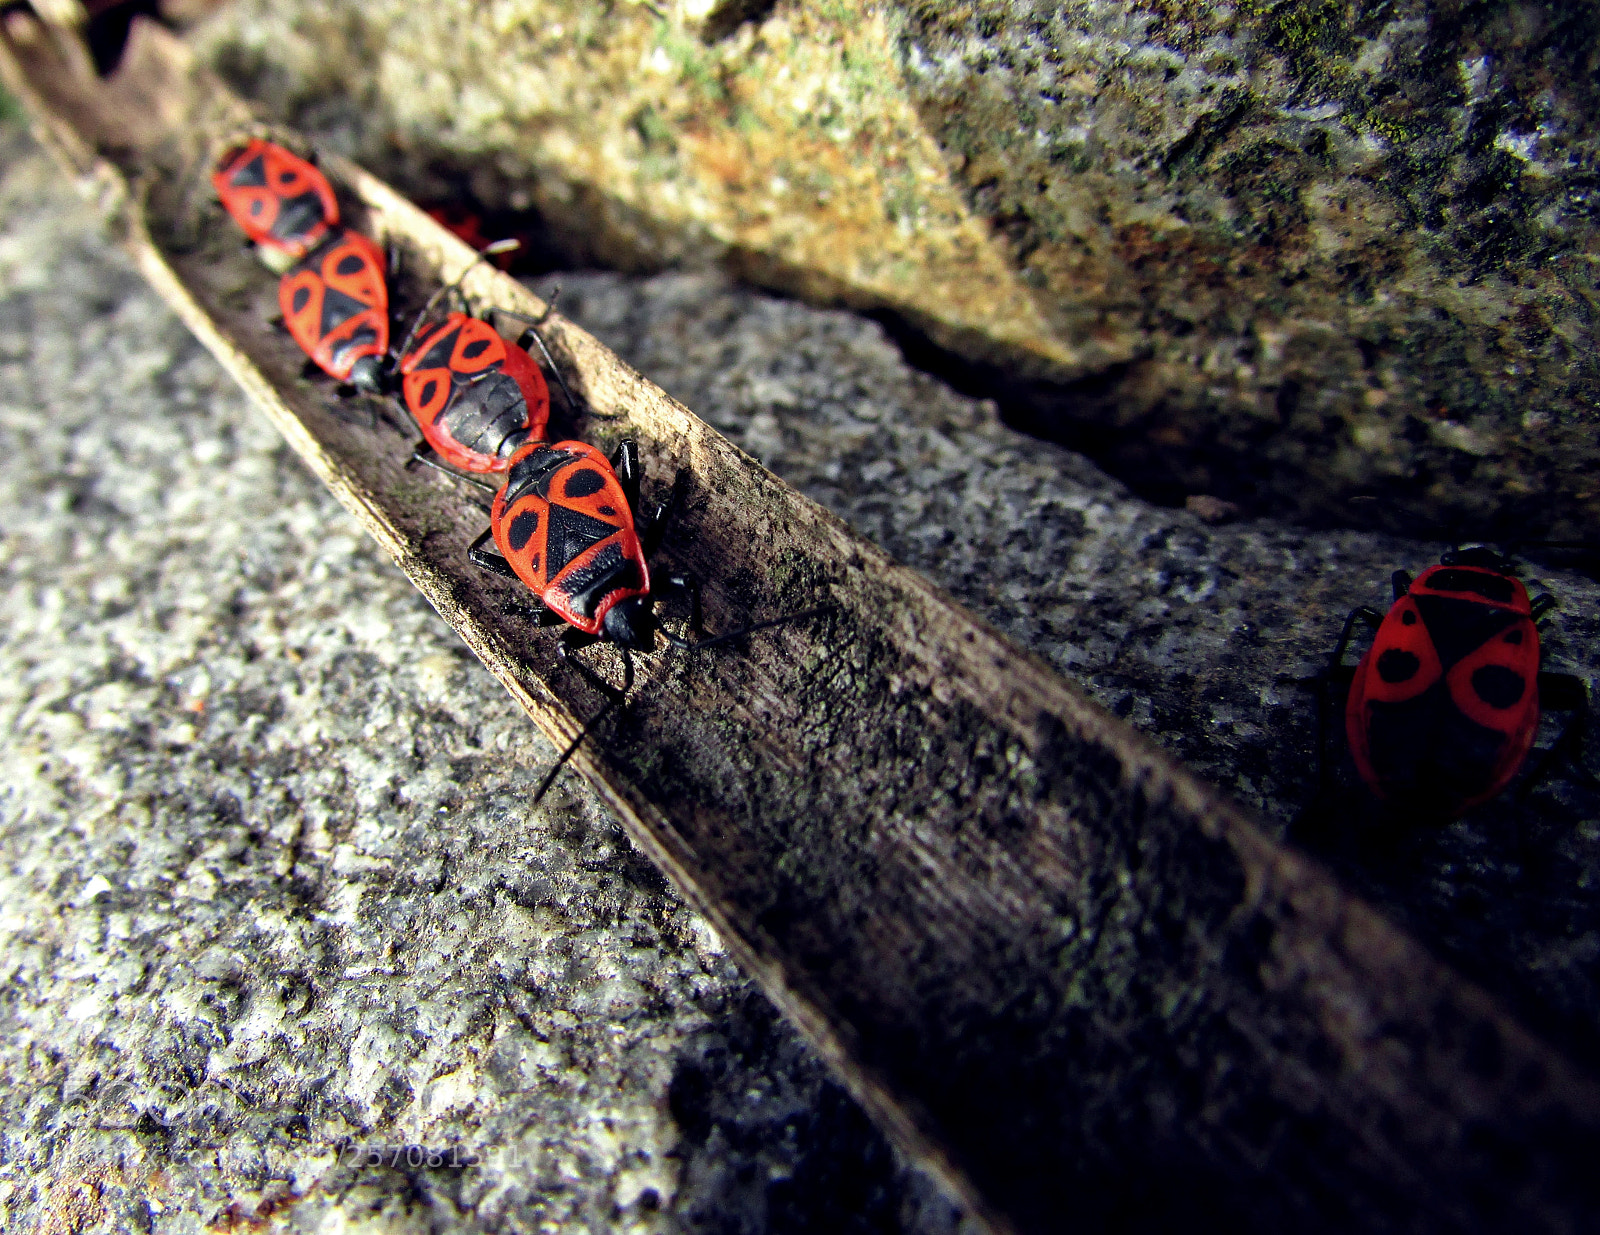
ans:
(270, 885)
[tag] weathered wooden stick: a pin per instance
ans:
(1070, 980)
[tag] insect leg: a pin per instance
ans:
(443, 293)
(1401, 582)
(1540, 606)
(625, 462)
(1364, 613)
(425, 454)
(650, 538)
(531, 334)
(1336, 670)
(690, 585)
(1562, 692)
(481, 557)
(572, 639)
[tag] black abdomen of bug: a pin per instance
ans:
(475, 399)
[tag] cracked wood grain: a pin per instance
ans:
(1074, 983)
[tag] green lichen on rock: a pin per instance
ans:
(1350, 236)
(1320, 257)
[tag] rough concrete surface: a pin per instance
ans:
(270, 881)
(1290, 253)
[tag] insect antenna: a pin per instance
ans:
(613, 696)
(533, 324)
(694, 645)
(498, 247)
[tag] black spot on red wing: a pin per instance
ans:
(1397, 665)
(288, 177)
(429, 389)
(1498, 686)
(253, 175)
(584, 483)
(349, 265)
(1515, 636)
(475, 349)
(570, 533)
(337, 309)
(1408, 618)
(1491, 587)
(301, 298)
(1428, 754)
(1459, 627)
(256, 207)
(522, 529)
(608, 510)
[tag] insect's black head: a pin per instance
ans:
(631, 623)
(1485, 556)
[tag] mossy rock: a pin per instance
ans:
(1321, 258)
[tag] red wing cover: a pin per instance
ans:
(281, 201)
(1444, 706)
(335, 303)
(563, 523)
(475, 397)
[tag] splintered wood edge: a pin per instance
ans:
(1330, 939)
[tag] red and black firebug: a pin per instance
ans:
(566, 525)
(475, 397)
(280, 200)
(1443, 707)
(335, 304)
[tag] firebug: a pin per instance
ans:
(280, 200)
